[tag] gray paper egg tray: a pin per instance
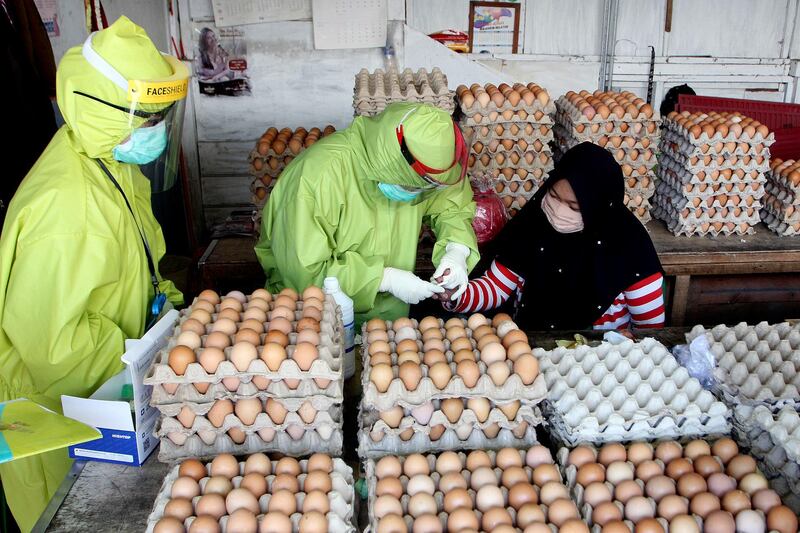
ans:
(775, 224)
(755, 429)
(673, 126)
(475, 133)
(782, 194)
(784, 182)
(342, 499)
(194, 446)
(685, 175)
(705, 190)
(569, 112)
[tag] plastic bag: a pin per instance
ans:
(490, 213)
(697, 358)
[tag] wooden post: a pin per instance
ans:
(680, 300)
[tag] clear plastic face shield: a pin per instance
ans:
(154, 117)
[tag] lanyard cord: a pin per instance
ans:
(150, 264)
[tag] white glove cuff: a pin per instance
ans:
(455, 247)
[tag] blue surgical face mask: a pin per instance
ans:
(397, 193)
(144, 145)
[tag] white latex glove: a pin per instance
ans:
(406, 286)
(452, 270)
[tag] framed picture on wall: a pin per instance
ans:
(494, 27)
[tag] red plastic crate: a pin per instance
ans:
(782, 119)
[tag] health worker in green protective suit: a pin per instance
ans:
(80, 245)
(352, 205)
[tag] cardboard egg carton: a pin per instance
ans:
(789, 214)
(540, 104)
(341, 498)
(775, 224)
(757, 365)
(782, 194)
(685, 154)
(783, 177)
(311, 441)
(267, 167)
(719, 201)
(522, 436)
(542, 161)
(372, 486)
(568, 109)
(677, 174)
(247, 387)
(705, 190)
(681, 132)
(260, 191)
(632, 390)
(374, 91)
(510, 175)
(597, 133)
(327, 414)
(530, 131)
(773, 438)
(713, 229)
(633, 156)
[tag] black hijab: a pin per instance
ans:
(572, 278)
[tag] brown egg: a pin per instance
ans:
(518, 349)
(765, 499)
(514, 336)
(610, 453)
(211, 505)
(649, 525)
(660, 486)
(228, 314)
(224, 464)
(735, 501)
(317, 480)
(494, 518)
(242, 354)
(619, 471)
(462, 343)
(218, 485)
(389, 467)
(280, 314)
(691, 484)
(194, 326)
(521, 494)
(204, 524)
(590, 473)
(580, 456)
(216, 415)
(462, 519)
(247, 336)
(552, 491)
(277, 337)
(469, 372)
(639, 452)
(705, 465)
(720, 484)
(648, 469)
(193, 469)
(726, 449)
(486, 340)
(282, 501)
(209, 295)
(313, 522)
(225, 325)
(753, 482)
(740, 465)
(672, 505)
(457, 498)
(427, 523)
(574, 525)
(780, 518)
(696, 448)
(639, 508)
(180, 508)
(392, 523)
(668, 450)
(241, 521)
(678, 467)
(626, 490)
(704, 503)
(537, 454)
(719, 522)
(528, 514)
(561, 510)
(527, 368)
(304, 355)
(596, 493)
(381, 376)
(606, 512)
(180, 357)
(615, 526)
(241, 499)
(544, 473)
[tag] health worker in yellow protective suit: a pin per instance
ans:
(80, 246)
(351, 206)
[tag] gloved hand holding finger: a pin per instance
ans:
(406, 286)
(452, 269)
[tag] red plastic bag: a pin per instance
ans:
(490, 213)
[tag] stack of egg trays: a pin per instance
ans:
(266, 166)
(756, 365)
(569, 474)
(342, 497)
(516, 433)
(323, 379)
(718, 159)
(627, 391)
(529, 127)
(773, 437)
(573, 127)
(374, 91)
(372, 482)
(781, 203)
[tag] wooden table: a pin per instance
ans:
(755, 277)
(709, 280)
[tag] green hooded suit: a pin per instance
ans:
(327, 217)
(74, 281)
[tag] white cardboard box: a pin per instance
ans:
(127, 437)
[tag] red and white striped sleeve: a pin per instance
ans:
(488, 291)
(645, 300)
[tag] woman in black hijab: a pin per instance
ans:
(574, 257)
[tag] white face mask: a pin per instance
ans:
(562, 217)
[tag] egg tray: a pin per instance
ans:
(331, 417)
(372, 482)
(421, 442)
(536, 154)
(537, 175)
(704, 138)
(784, 182)
(373, 108)
(329, 307)
(705, 190)
(725, 160)
(720, 201)
(756, 365)
(536, 107)
(681, 175)
(539, 131)
(567, 109)
(605, 393)
(341, 497)
(673, 142)
(479, 166)
(772, 440)
(783, 195)
(790, 214)
(689, 230)
(604, 140)
(776, 225)
(595, 134)
(394, 83)
(567, 143)
(694, 216)
(569, 472)
(194, 446)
